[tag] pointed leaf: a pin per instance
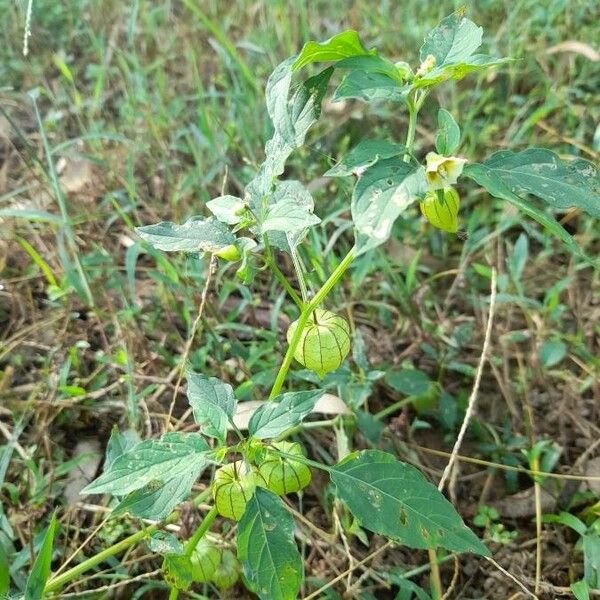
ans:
(287, 215)
(454, 40)
(291, 121)
(453, 44)
(213, 403)
(340, 46)
(157, 499)
(266, 548)
(195, 235)
(381, 194)
(493, 183)
(226, 209)
(365, 154)
(447, 137)
(172, 455)
(393, 499)
(119, 443)
(476, 63)
(285, 411)
(40, 571)
(542, 173)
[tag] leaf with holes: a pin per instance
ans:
(393, 499)
(195, 235)
(291, 118)
(382, 193)
(285, 411)
(496, 186)
(172, 455)
(561, 184)
(266, 548)
(213, 404)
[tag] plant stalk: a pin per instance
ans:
(193, 542)
(57, 582)
(280, 276)
(304, 316)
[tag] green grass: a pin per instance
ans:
(158, 106)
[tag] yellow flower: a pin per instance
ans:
(443, 171)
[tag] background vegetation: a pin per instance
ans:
(149, 109)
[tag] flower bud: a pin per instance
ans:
(443, 215)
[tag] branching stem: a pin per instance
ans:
(304, 315)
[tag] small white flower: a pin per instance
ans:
(443, 171)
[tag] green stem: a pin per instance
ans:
(304, 316)
(392, 408)
(58, 581)
(299, 274)
(412, 128)
(281, 277)
(193, 542)
(413, 110)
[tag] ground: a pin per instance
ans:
(150, 110)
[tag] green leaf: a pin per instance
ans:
(447, 136)
(381, 194)
(226, 209)
(591, 558)
(365, 154)
(565, 518)
(491, 181)
(163, 542)
(289, 215)
(477, 62)
(119, 443)
(394, 499)
(370, 86)
(178, 571)
(157, 499)
(213, 403)
(285, 411)
(172, 455)
(266, 548)
(540, 172)
(411, 382)
(4, 572)
(34, 588)
(336, 48)
(551, 353)
(291, 121)
(195, 235)
(453, 43)
(454, 40)
(306, 103)
(371, 63)
(581, 590)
